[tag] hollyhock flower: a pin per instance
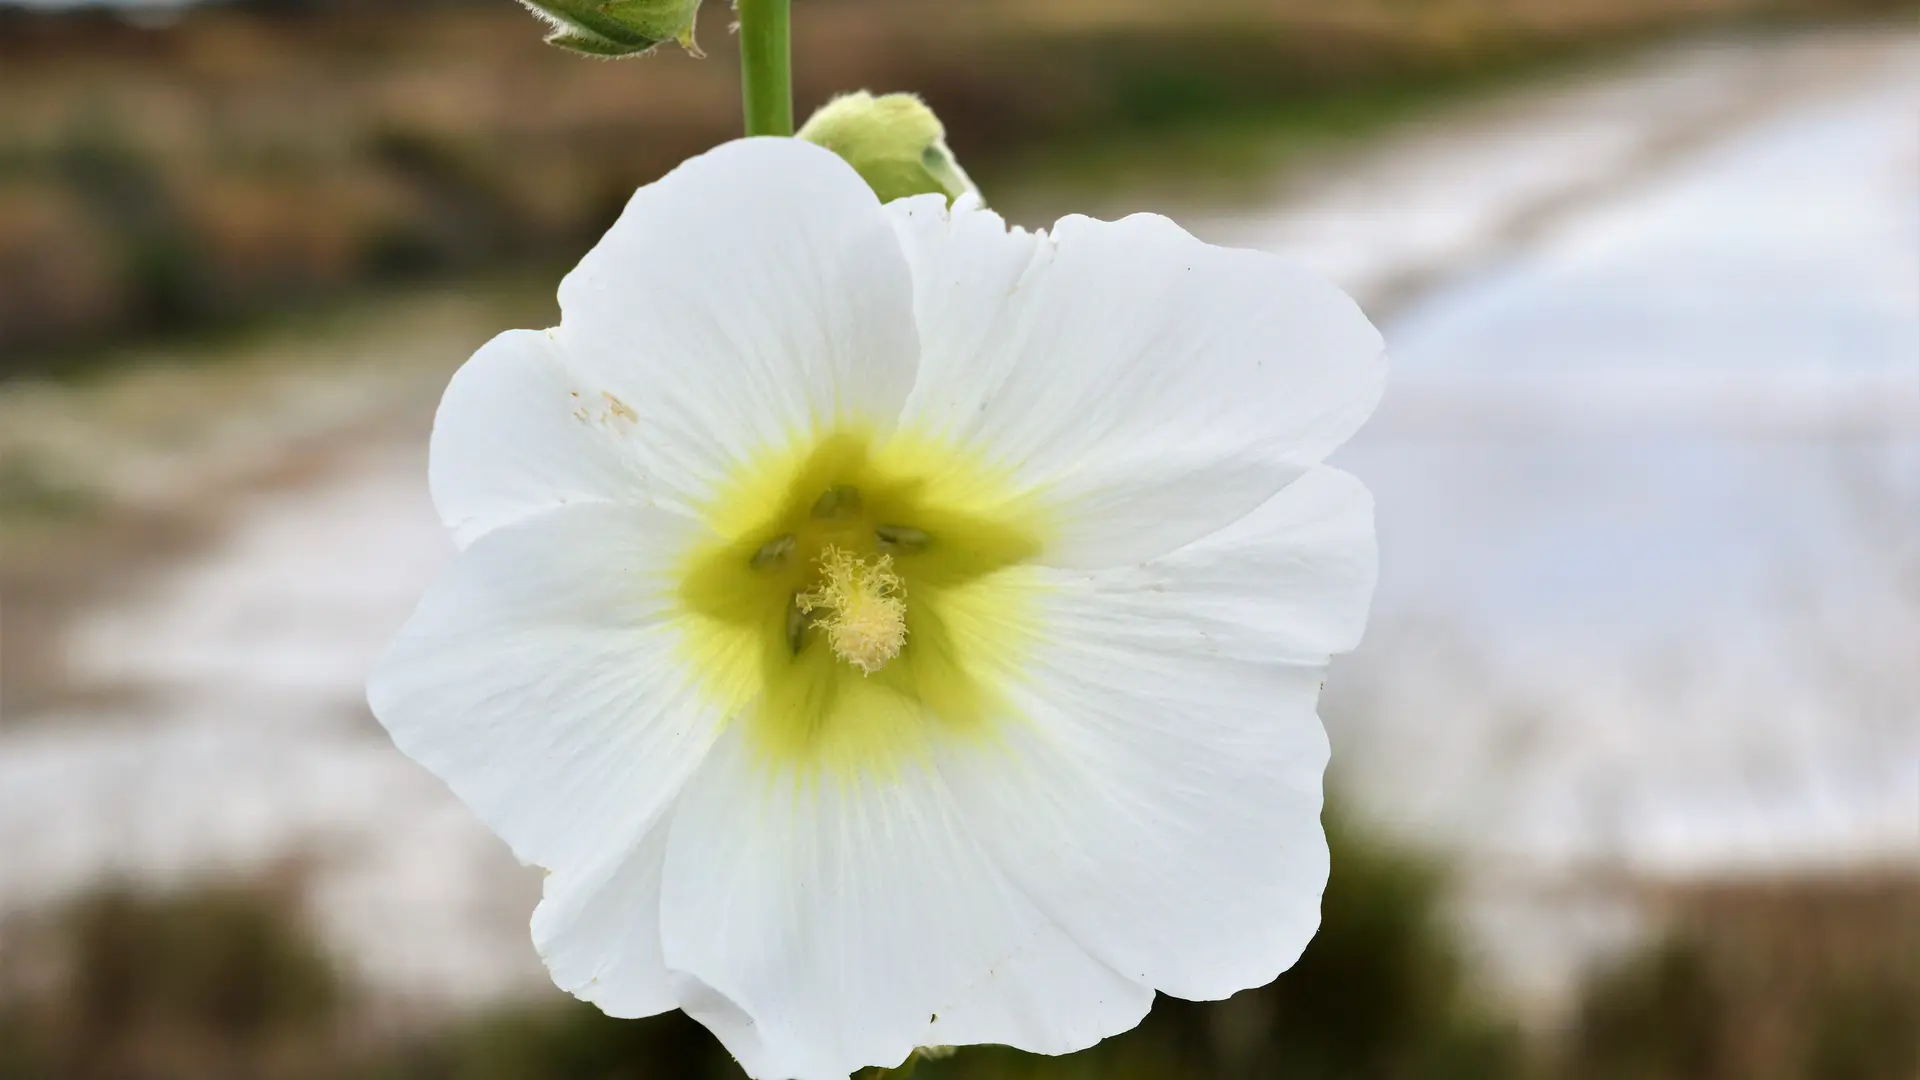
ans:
(892, 629)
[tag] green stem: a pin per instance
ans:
(766, 66)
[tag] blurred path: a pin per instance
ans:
(210, 719)
(1656, 470)
(1647, 327)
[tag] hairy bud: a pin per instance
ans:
(618, 27)
(894, 142)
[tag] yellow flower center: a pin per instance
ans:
(861, 599)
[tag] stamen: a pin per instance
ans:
(865, 605)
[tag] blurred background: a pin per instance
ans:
(1627, 780)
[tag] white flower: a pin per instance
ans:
(890, 629)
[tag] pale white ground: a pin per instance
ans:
(1661, 472)
(1649, 486)
(1648, 478)
(1648, 470)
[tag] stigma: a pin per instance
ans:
(861, 604)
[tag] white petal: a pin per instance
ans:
(1159, 793)
(741, 1035)
(1290, 582)
(754, 294)
(851, 922)
(1157, 386)
(518, 432)
(539, 678)
(1048, 996)
(598, 929)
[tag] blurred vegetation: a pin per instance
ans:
(212, 982)
(1783, 980)
(161, 175)
(1812, 980)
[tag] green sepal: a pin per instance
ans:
(591, 45)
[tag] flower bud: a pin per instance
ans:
(618, 27)
(894, 142)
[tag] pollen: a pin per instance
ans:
(862, 606)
